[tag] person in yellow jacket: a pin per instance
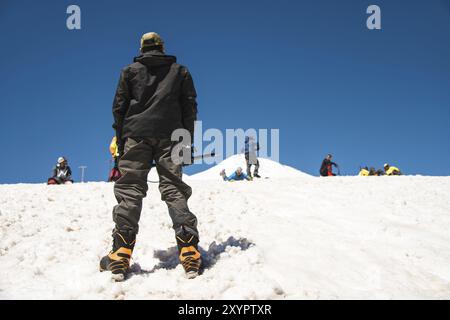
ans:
(391, 170)
(114, 174)
(364, 172)
(113, 148)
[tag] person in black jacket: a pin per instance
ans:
(61, 173)
(326, 169)
(155, 96)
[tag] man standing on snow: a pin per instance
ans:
(155, 96)
(250, 149)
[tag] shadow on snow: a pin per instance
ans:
(169, 258)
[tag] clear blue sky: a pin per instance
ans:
(310, 68)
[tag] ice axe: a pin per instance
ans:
(202, 156)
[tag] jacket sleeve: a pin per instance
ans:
(323, 166)
(232, 176)
(188, 102)
(121, 104)
(69, 174)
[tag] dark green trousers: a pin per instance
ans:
(131, 188)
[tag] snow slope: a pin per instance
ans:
(296, 237)
(268, 167)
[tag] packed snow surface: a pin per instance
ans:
(291, 236)
(269, 168)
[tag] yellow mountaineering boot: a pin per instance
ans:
(190, 257)
(118, 260)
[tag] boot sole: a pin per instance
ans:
(118, 277)
(192, 274)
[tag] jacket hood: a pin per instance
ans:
(155, 58)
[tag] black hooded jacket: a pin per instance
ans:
(62, 174)
(324, 167)
(155, 96)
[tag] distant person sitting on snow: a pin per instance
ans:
(238, 175)
(364, 172)
(114, 174)
(391, 170)
(326, 169)
(61, 173)
(250, 150)
(374, 172)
